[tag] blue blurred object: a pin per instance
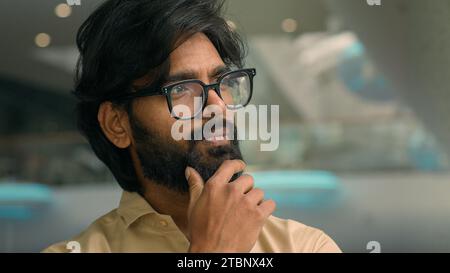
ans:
(305, 189)
(22, 201)
(424, 152)
(359, 75)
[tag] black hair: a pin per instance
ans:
(124, 40)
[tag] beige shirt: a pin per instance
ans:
(136, 227)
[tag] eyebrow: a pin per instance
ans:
(191, 74)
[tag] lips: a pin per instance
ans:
(217, 133)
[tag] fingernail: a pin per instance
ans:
(187, 172)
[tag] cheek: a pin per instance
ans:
(154, 114)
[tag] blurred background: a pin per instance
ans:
(364, 121)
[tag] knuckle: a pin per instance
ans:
(259, 192)
(272, 205)
(210, 187)
(249, 178)
(227, 163)
(242, 163)
(260, 215)
(234, 163)
(248, 202)
(234, 188)
(246, 180)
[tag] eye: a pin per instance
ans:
(179, 89)
(182, 91)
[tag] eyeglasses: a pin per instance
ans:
(235, 88)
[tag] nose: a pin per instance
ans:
(214, 103)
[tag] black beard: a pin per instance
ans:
(164, 162)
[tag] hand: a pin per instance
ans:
(224, 216)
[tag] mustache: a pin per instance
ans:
(226, 126)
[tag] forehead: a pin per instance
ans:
(197, 53)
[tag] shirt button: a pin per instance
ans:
(163, 223)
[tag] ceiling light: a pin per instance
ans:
(42, 40)
(289, 25)
(63, 10)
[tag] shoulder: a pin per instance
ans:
(286, 235)
(94, 239)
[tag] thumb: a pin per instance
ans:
(196, 183)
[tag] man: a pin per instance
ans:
(139, 60)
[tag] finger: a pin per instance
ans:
(196, 185)
(245, 183)
(267, 207)
(256, 196)
(227, 169)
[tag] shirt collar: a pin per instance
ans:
(133, 206)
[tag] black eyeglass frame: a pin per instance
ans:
(166, 90)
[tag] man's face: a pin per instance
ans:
(162, 158)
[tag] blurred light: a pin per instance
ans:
(63, 10)
(231, 24)
(42, 40)
(289, 25)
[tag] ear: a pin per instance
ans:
(115, 124)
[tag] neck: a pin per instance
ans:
(168, 202)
